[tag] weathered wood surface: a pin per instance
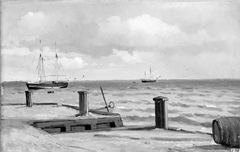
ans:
(161, 114)
(78, 125)
(104, 99)
(18, 104)
(226, 131)
(28, 99)
(83, 103)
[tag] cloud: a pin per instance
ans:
(143, 30)
(199, 37)
(16, 51)
(112, 65)
(151, 26)
(31, 26)
(125, 56)
(134, 57)
(74, 63)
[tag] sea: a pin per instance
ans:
(192, 104)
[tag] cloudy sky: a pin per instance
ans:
(120, 40)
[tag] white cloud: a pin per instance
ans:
(31, 26)
(16, 51)
(74, 63)
(112, 65)
(143, 30)
(134, 57)
(94, 64)
(125, 56)
(151, 26)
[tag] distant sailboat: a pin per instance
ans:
(43, 83)
(150, 78)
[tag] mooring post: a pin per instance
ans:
(28, 99)
(161, 115)
(83, 103)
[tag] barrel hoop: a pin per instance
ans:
(217, 139)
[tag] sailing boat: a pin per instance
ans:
(150, 79)
(42, 83)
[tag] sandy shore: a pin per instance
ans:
(18, 135)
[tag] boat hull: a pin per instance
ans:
(46, 85)
(148, 81)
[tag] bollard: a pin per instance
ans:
(161, 116)
(28, 99)
(83, 103)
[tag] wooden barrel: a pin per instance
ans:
(226, 131)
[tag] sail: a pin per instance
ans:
(40, 67)
(43, 83)
(150, 77)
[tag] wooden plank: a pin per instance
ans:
(12, 104)
(103, 113)
(49, 103)
(16, 104)
(77, 122)
(70, 106)
(103, 125)
(77, 128)
(52, 130)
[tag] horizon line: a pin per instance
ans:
(138, 79)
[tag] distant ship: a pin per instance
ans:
(43, 83)
(150, 78)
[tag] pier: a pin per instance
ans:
(69, 125)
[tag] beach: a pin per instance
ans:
(192, 106)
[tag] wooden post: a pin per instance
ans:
(161, 115)
(83, 103)
(28, 99)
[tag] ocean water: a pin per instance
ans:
(193, 104)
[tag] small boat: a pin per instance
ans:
(47, 85)
(43, 83)
(150, 79)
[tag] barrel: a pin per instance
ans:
(226, 131)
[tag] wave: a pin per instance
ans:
(235, 113)
(235, 102)
(189, 100)
(202, 115)
(146, 110)
(183, 119)
(138, 118)
(210, 107)
(151, 88)
(175, 104)
(133, 87)
(165, 92)
(118, 94)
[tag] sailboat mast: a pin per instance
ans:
(56, 63)
(41, 72)
(150, 73)
(57, 67)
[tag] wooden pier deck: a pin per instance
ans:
(26, 129)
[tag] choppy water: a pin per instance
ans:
(192, 103)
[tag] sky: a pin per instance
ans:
(114, 40)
